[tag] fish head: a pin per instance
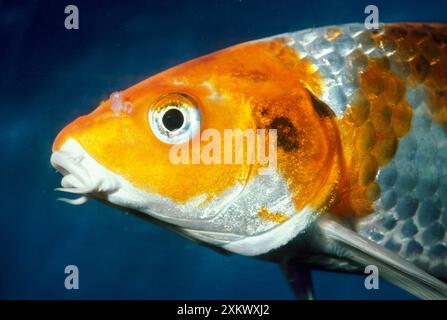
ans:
(147, 148)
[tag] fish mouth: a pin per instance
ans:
(72, 161)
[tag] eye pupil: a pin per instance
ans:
(173, 119)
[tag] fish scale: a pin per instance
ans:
(359, 175)
(410, 216)
(413, 198)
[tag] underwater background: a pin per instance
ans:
(50, 75)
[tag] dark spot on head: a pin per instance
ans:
(264, 112)
(287, 134)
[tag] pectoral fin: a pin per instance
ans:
(343, 241)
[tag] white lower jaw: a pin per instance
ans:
(82, 174)
(236, 227)
(114, 188)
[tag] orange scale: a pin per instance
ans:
(380, 114)
(365, 138)
(394, 89)
(386, 146)
(359, 111)
(368, 170)
(401, 118)
(420, 68)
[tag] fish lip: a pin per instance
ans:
(69, 167)
(76, 178)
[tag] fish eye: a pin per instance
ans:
(174, 118)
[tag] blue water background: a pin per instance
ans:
(50, 75)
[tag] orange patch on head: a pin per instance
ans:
(308, 145)
(230, 88)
